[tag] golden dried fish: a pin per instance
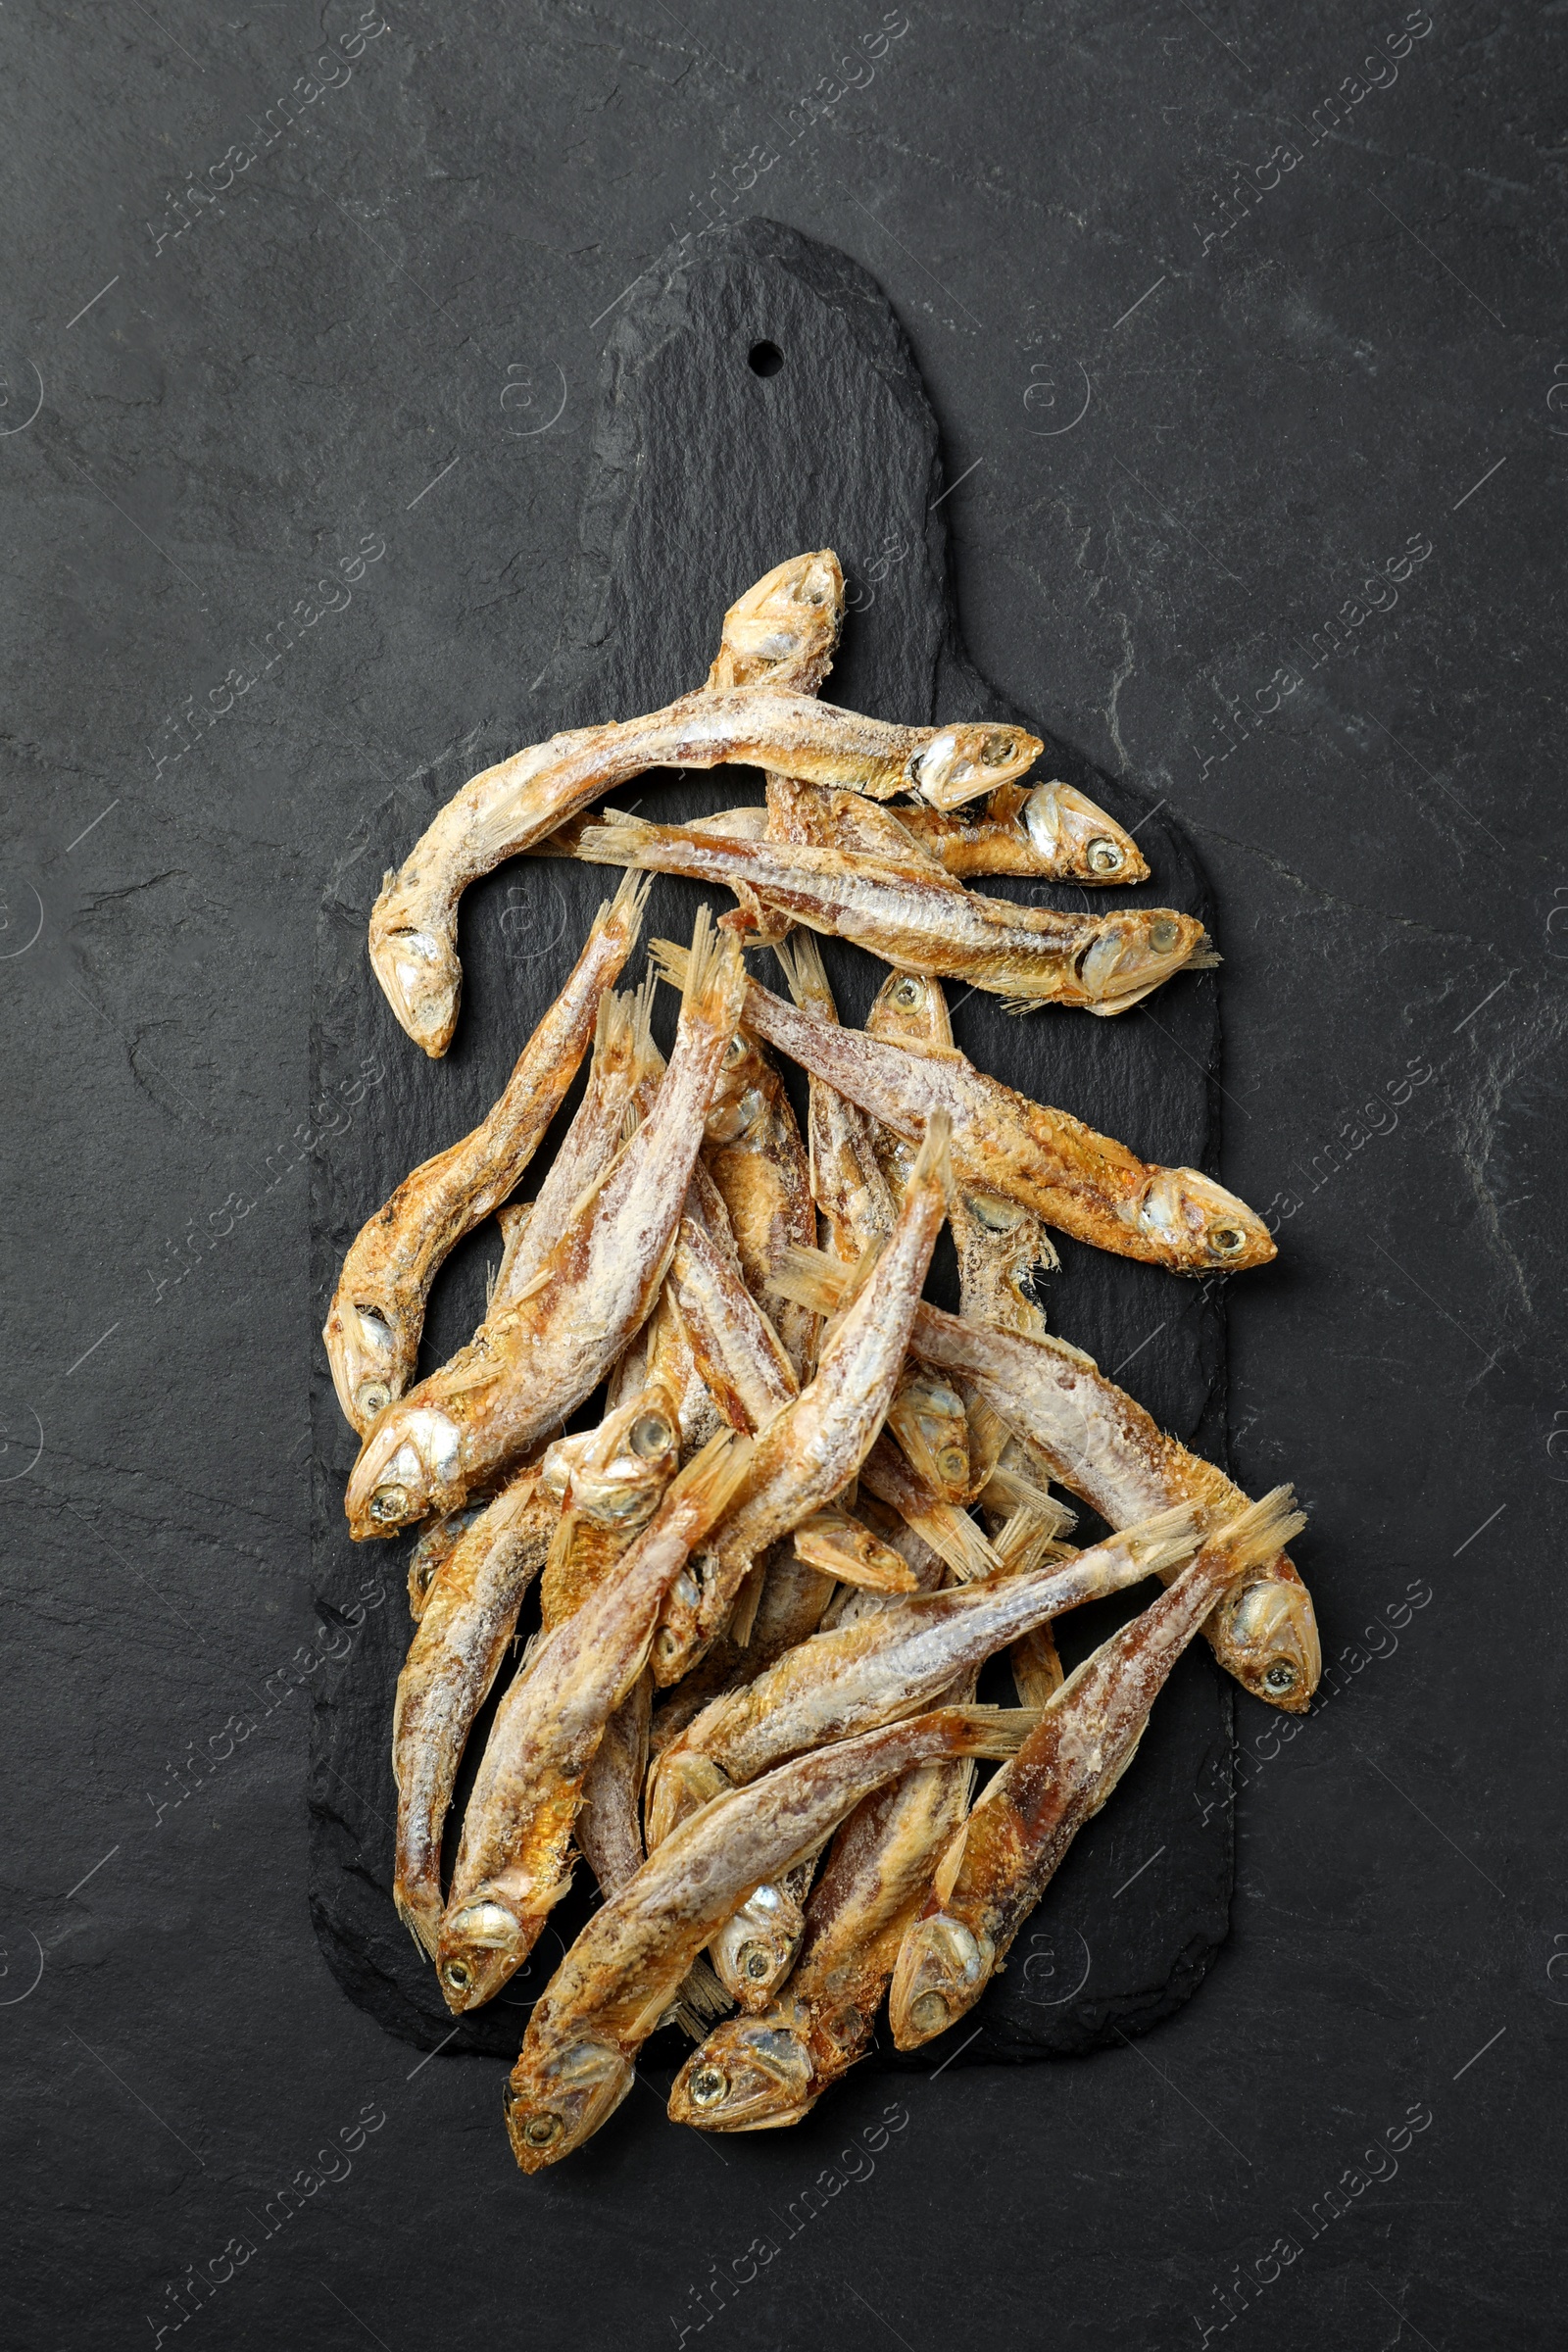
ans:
(785, 628)
(413, 922)
(1000, 1862)
(373, 1331)
(811, 1449)
(579, 2053)
(513, 1862)
(753, 1153)
(622, 1081)
(611, 1489)
(947, 1531)
(735, 1346)
(1082, 1183)
(1055, 832)
(927, 1417)
(1096, 1441)
(470, 1615)
(851, 1193)
(921, 921)
(894, 1661)
(757, 2072)
(530, 1366)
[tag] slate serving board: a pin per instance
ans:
(757, 400)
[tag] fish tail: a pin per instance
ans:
(814, 1279)
(626, 908)
(956, 1539)
(1030, 1538)
(714, 993)
(614, 1028)
(992, 1732)
(1254, 1536)
(801, 959)
(669, 961)
(710, 1482)
(933, 1163)
(618, 838)
(647, 1059)
(1163, 1541)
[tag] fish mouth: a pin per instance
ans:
(408, 1468)
(941, 1973)
(1137, 952)
(745, 2077)
(1273, 1647)
(1197, 1224)
(555, 2100)
(419, 974)
(1081, 841)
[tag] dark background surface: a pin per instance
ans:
(1173, 462)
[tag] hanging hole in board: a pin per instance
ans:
(765, 359)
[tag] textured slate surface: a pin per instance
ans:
(837, 446)
(1190, 393)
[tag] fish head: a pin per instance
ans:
(751, 2074)
(1135, 951)
(960, 763)
(558, 2094)
(371, 1361)
(941, 1973)
(480, 1945)
(910, 1011)
(1079, 840)
(418, 967)
(742, 1096)
(754, 1950)
(783, 631)
(621, 1476)
(1265, 1631)
(1200, 1227)
(409, 1466)
(928, 1418)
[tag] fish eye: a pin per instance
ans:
(907, 991)
(929, 2014)
(374, 1398)
(1164, 933)
(458, 1974)
(622, 1504)
(708, 2085)
(649, 1435)
(1226, 1241)
(1280, 1678)
(756, 1961)
(1101, 856)
(540, 2130)
(953, 1465)
(735, 1050)
(667, 1644)
(846, 2026)
(389, 1503)
(998, 751)
(995, 1214)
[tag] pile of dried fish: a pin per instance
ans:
(813, 1505)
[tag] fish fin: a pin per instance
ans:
(812, 1278)
(1029, 1540)
(1165, 1540)
(627, 907)
(669, 961)
(618, 838)
(994, 1731)
(801, 959)
(1020, 1008)
(955, 1539)
(716, 986)
(933, 1161)
(742, 1609)
(647, 1058)
(711, 1480)
(700, 2001)
(1009, 1491)
(1255, 1536)
(1203, 957)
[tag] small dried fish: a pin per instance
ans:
(470, 1615)
(811, 1449)
(609, 1491)
(373, 1331)
(1082, 1183)
(753, 1150)
(530, 1366)
(437, 1543)
(579, 2053)
(853, 1196)
(1096, 1441)
(921, 918)
(1000, 1861)
(513, 1862)
(622, 1081)
(1055, 832)
(609, 1827)
(413, 922)
(894, 1661)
